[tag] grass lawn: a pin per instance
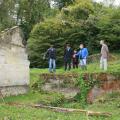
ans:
(108, 103)
(114, 67)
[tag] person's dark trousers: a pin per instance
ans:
(75, 65)
(67, 65)
(75, 62)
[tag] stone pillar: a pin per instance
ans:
(14, 64)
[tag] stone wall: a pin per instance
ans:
(14, 64)
(104, 83)
(108, 82)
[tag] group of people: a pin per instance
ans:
(75, 57)
(72, 58)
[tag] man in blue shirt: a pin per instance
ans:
(83, 54)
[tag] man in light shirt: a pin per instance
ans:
(104, 56)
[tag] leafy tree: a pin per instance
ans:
(58, 32)
(79, 21)
(110, 25)
(25, 13)
(31, 12)
(7, 8)
(63, 3)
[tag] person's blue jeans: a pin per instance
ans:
(52, 65)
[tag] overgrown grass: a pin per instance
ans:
(108, 103)
(15, 113)
(113, 66)
(91, 68)
(36, 97)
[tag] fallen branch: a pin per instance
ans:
(58, 109)
(64, 110)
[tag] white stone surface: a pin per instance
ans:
(14, 64)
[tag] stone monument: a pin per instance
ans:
(14, 64)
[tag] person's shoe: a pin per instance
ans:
(85, 67)
(65, 69)
(51, 71)
(69, 69)
(82, 67)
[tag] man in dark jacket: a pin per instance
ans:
(51, 52)
(68, 57)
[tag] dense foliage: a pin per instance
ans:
(62, 3)
(71, 21)
(31, 12)
(25, 13)
(6, 12)
(82, 22)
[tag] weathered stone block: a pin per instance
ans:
(14, 64)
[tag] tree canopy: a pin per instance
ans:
(82, 22)
(7, 14)
(25, 13)
(72, 21)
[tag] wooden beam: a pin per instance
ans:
(67, 110)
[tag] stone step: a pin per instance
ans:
(67, 92)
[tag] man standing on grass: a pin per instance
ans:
(104, 56)
(83, 54)
(68, 57)
(51, 52)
